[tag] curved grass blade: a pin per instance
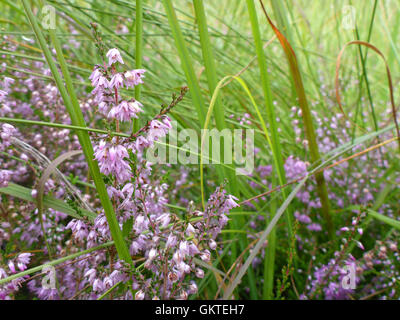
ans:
(375, 49)
(46, 175)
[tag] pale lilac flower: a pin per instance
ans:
(113, 56)
(108, 283)
(359, 244)
(111, 161)
(171, 241)
(139, 295)
(231, 202)
(104, 107)
(5, 177)
(157, 130)
(199, 273)
(78, 228)
(164, 220)
(134, 77)
(314, 227)
(22, 260)
(7, 132)
(94, 77)
(184, 248)
(98, 285)
(11, 266)
(3, 94)
(303, 218)
(212, 244)
(3, 273)
(205, 256)
(141, 143)
(183, 295)
(190, 230)
(100, 85)
(125, 111)
(152, 254)
(193, 249)
(192, 287)
(91, 275)
(116, 81)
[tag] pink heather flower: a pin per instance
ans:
(167, 121)
(193, 250)
(199, 273)
(344, 229)
(78, 228)
(111, 161)
(108, 283)
(303, 218)
(212, 244)
(100, 85)
(141, 224)
(3, 94)
(190, 230)
(22, 260)
(152, 254)
(205, 256)
(183, 295)
(314, 227)
(157, 130)
(192, 287)
(171, 241)
(103, 107)
(94, 77)
(359, 244)
(116, 81)
(125, 111)
(90, 274)
(98, 285)
(134, 77)
(34, 193)
(5, 177)
(164, 220)
(184, 248)
(231, 202)
(113, 56)
(101, 81)
(141, 143)
(139, 295)
(11, 266)
(7, 132)
(3, 274)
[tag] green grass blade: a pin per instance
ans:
(389, 221)
(138, 51)
(276, 146)
(186, 61)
